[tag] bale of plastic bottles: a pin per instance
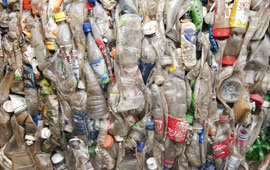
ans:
(134, 85)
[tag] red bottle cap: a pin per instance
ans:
(221, 33)
(26, 4)
(257, 99)
(228, 61)
(89, 6)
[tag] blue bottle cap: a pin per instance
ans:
(140, 146)
(92, 1)
(166, 168)
(87, 27)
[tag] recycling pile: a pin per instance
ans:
(134, 84)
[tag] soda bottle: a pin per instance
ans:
(157, 112)
(96, 104)
(221, 27)
(238, 24)
(188, 41)
(95, 56)
(222, 142)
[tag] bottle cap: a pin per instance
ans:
(92, 1)
(8, 107)
(118, 138)
(18, 103)
(56, 158)
(91, 151)
(221, 33)
(30, 137)
(50, 46)
(87, 27)
(108, 142)
(151, 163)
(26, 4)
(149, 28)
(257, 99)
(60, 16)
(228, 61)
(45, 133)
(89, 6)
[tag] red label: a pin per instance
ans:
(177, 129)
(159, 125)
(223, 148)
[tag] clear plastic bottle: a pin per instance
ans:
(157, 112)
(256, 61)
(96, 104)
(238, 25)
(221, 27)
(188, 41)
(174, 90)
(63, 34)
(128, 50)
(222, 150)
(95, 56)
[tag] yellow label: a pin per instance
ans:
(239, 14)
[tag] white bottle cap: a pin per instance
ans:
(118, 138)
(56, 158)
(149, 28)
(29, 137)
(18, 103)
(45, 133)
(151, 163)
(8, 107)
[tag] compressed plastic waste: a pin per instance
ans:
(134, 85)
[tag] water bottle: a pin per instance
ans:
(95, 56)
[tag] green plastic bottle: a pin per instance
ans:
(197, 14)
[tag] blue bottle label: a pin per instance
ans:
(201, 136)
(100, 68)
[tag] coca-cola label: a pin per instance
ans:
(177, 129)
(159, 125)
(223, 148)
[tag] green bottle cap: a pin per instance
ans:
(91, 151)
(189, 118)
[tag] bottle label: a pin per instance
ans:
(239, 14)
(101, 70)
(159, 125)
(188, 44)
(201, 136)
(223, 148)
(177, 129)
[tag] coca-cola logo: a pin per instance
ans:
(159, 125)
(177, 129)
